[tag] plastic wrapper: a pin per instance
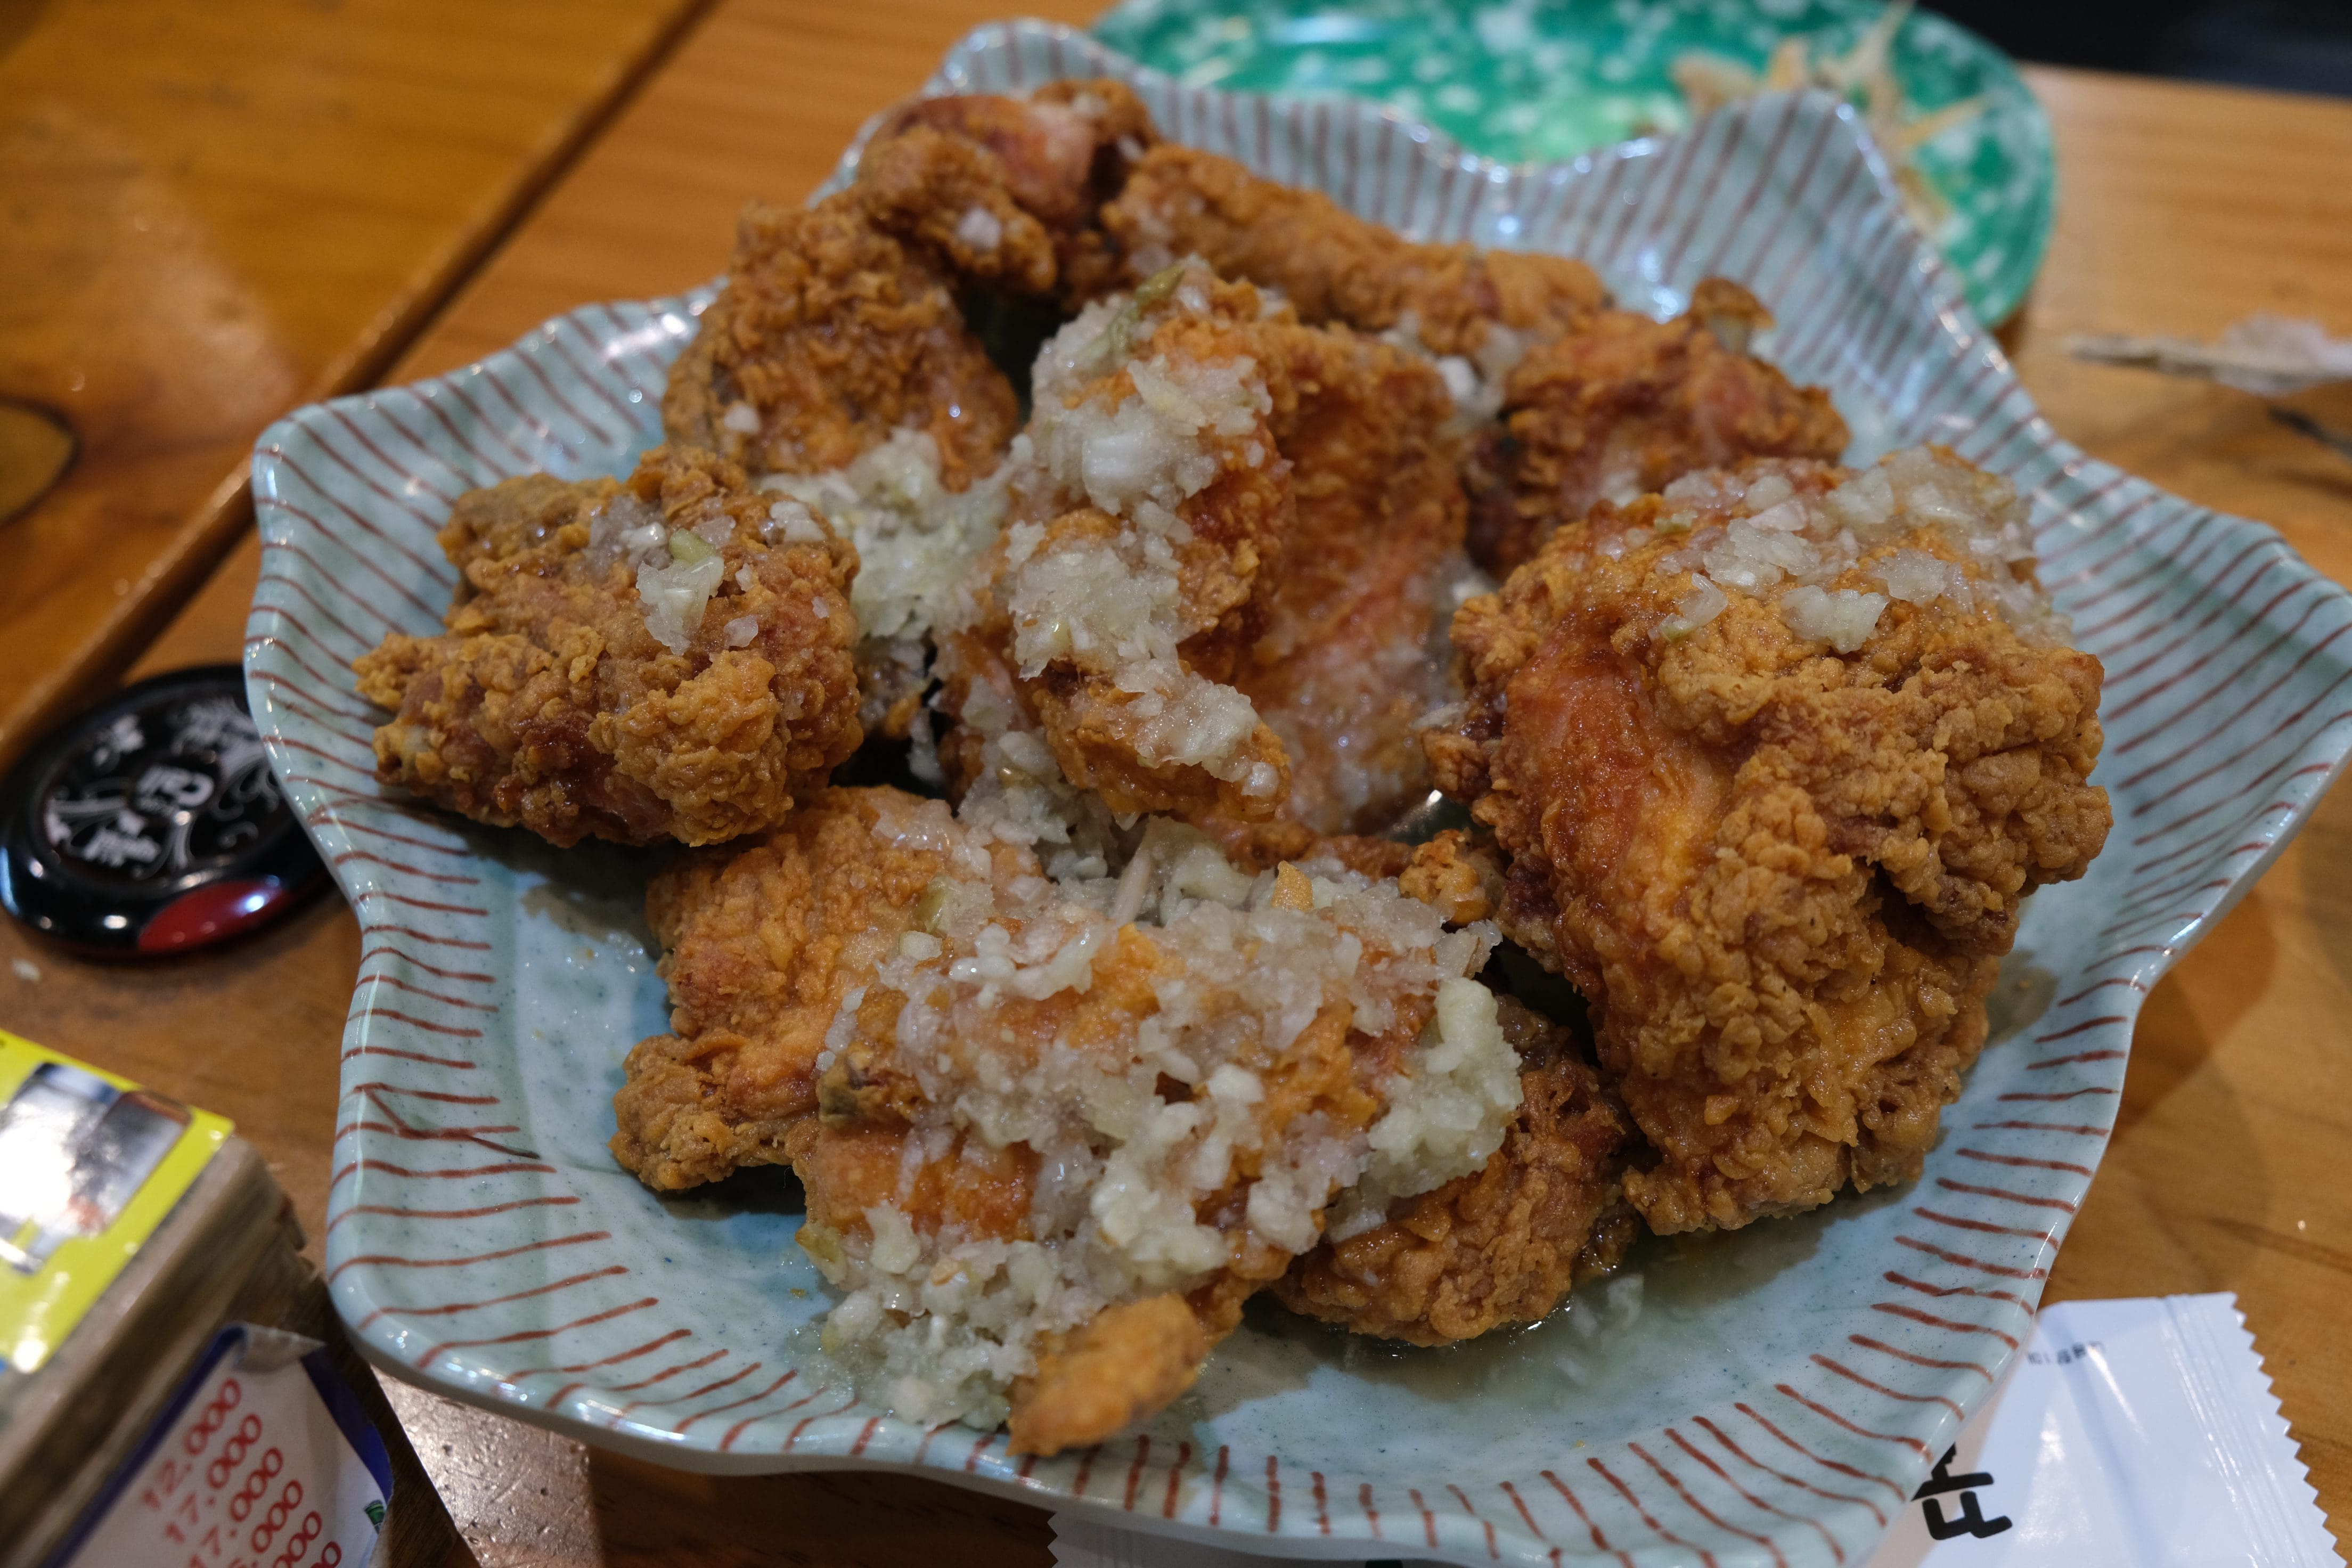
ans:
(2133, 1434)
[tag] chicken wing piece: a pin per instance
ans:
(1333, 267)
(1624, 405)
(1501, 1246)
(1063, 1126)
(667, 657)
(1775, 756)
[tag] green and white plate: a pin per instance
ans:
(1768, 1398)
(1523, 81)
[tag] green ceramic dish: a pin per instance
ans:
(1528, 82)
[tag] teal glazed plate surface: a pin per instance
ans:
(1769, 1397)
(1527, 83)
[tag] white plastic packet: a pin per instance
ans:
(2136, 1433)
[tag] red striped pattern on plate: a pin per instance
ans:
(480, 1241)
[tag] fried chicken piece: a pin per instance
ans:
(1129, 1363)
(1063, 1128)
(832, 333)
(1455, 876)
(1333, 267)
(1504, 1244)
(838, 362)
(760, 945)
(1347, 666)
(1147, 519)
(1624, 405)
(1056, 156)
(949, 197)
(839, 325)
(1779, 835)
(632, 660)
(1316, 536)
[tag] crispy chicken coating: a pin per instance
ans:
(1778, 836)
(948, 197)
(1504, 1244)
(830, 334)
(1129, 1363)
(839, 323)
(1456, 875)
(1320, 543)
(1147, 524)
(1057, 155)
(554, 702)
(1624, 405)
(760, 945)
(1347, 666)
(1333, 267)
(1053, 1132)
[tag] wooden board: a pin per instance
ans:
(215, 212)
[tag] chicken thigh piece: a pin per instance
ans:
(1775, 756)
(1055, 1126)
(1624, 405)
(1331, 265)
(1501, 1246)
(660, 657)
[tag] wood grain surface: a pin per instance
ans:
(2181, 209)
(210, 214)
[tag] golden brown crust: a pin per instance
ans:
(1456, 874)
(1332, 266)
(1624, 405)
(1131, 1362)
(549, 704)
(1089, 726)
(1784, 877)
(1056, 156)
(925, 186)
(839, 323)
(1346, 668)
(1503, 1245)
(760, 945)
(833, 333)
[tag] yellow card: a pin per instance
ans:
(90, 1165)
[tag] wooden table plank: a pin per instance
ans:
(214, 212)
(2182, 209)
(760, 102)
(2225, 1172)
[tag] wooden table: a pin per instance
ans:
(2181, 210)
(215, 212)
